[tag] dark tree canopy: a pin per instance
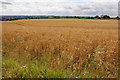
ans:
(105, 17)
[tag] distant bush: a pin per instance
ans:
(105, 17)
(10, 18)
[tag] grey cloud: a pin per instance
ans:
(81, 6)
(106, 8)
(86, 8)
(90, 9)
(96, 9)
(4, 6)
(5, 3)
(68, 7)
(119, 8)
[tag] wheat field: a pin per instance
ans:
(60, 48)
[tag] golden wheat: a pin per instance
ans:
(76, 46)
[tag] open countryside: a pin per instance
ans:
(60, 48)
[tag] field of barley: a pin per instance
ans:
(60, 48)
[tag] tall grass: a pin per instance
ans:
(65, 54)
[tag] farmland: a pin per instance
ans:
(60, 48)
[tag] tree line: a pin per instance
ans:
(10, 18)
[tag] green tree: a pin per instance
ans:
(57, 17)
(117, 17)
(97, 17)
(105, 17)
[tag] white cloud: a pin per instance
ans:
(61, 0)
(60, 7)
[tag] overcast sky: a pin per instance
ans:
(59, 7)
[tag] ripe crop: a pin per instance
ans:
(60, 48)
